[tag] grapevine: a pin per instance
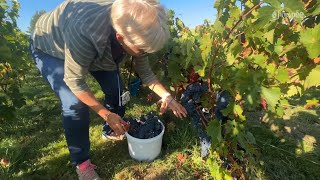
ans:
(254, 57)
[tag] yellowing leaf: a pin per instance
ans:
(230, 59)
(293, 90)
(269, 36)
(238, 110)
(313, 79)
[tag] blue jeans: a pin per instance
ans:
(76, 113)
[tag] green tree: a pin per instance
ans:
(34, 20)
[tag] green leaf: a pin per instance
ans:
(288, 48)
(218, 26)
(214, 168)
(271, 69)
(280, 111)
(233, 128)
(180, 24)
(242, 140)
(293, 5)
(227, 175)
(251, 138)
(174, 72)
(278, 48)
(201, 70)
(316, 10)
(271, 95)
(260, 59)
(310, 38)
(5, 52)
(283, 75)
(265, 15)
(284, 102)
(235, 48)
(235, 12)
(238, 109)
(230, 59)
(274, 3)
(269, 36)
(313, 79)
(214, 131)
(206, 45)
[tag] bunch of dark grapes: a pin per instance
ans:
(146, 127)
(189, 99)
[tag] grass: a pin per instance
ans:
(35, 145)
(290, 147)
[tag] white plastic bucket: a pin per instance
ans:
(145, 149)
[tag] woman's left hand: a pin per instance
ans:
(177, 109)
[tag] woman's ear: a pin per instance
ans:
(119, 38)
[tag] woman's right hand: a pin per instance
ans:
(117, 124)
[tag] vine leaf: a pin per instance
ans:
(265, 15)
(206, 46)
(180, 24)
(293, 90)
(274, 3)
(313, 78)
(269, 36)
(214, 168)
(311, 41)
(271, 95)
(294, 5)
(238, 110)
(214, 131)
(283, 75)
(312, 103)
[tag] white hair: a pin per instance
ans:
(142, 22)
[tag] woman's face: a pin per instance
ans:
(128, 47)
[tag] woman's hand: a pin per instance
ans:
(116, 123)
(177, 109)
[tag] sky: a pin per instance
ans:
(191, 12)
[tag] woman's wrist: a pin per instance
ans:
(165, 96)
(106, 116)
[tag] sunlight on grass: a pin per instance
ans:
(53, 151)
(308, 145)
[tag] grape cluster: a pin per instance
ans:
(189, 99)
(146, 127)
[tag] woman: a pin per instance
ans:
(92, 36)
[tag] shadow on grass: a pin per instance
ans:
(290, 147)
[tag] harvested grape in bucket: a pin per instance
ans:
(145, 127)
